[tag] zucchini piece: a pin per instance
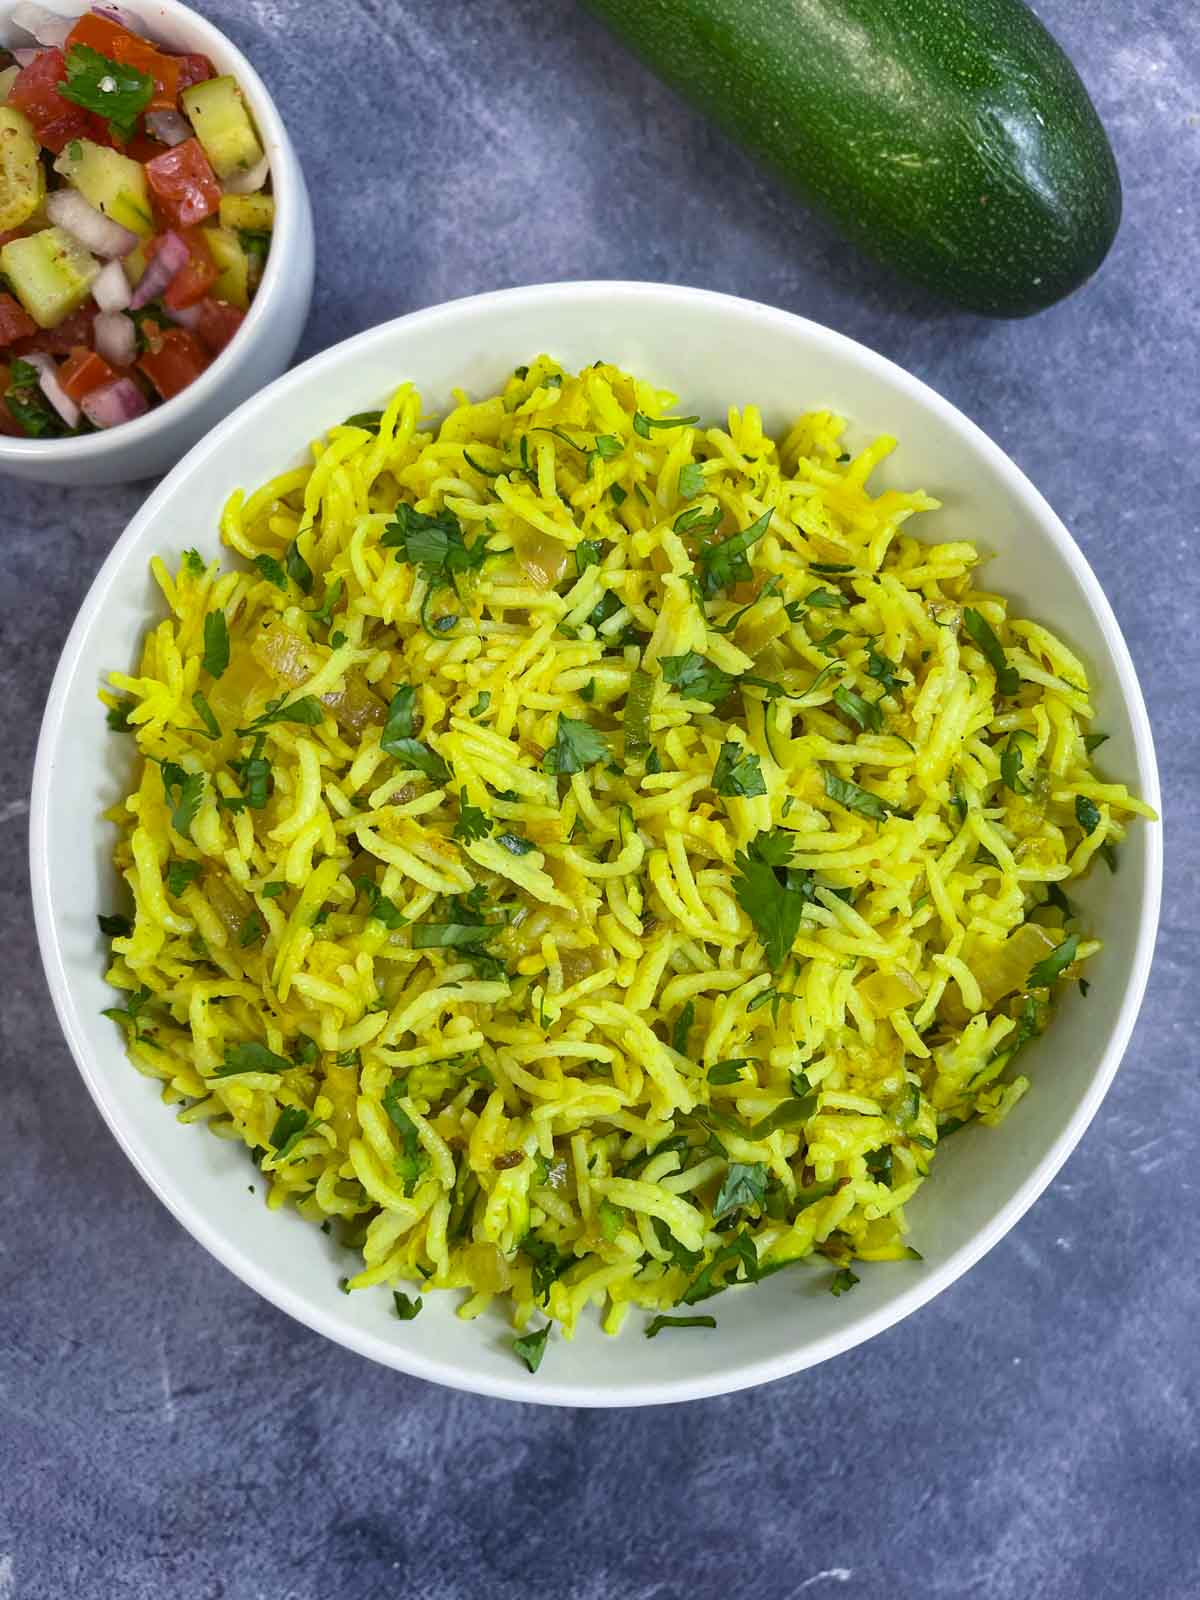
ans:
(253, 213)
(109, 181)
(230, 258)
(955, 143)
(51, 274)
(217, 111)
(22, 181)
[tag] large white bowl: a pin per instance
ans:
(265, 342)
(713, 351)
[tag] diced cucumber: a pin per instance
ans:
(22, 181)
(50, 273)
(233, 283)
(7, 78)
(218, 113)
(253, 212)
(109, 181)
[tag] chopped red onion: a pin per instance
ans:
(186, 316)
(114, 403)
(116, 338)
(68, 209)
(24, 57)
(111, 290)
(47, 371)
(170, 126)
(47, 27)
(250, 181)
(172, 256)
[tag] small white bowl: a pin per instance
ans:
(265, 342)
(713, 351)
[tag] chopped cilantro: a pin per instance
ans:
(117, 716)
(205, 712)
(1087, 813)
(738, 772)
(657, 1324)
(472, 823)
(724, 564)
(980, 630)
(216, 644)
(843, 1281)
(1012, 761)
(774, 903)
(184, 791)
(307, 711)
(1093, 741)
(298, 569)
(696, 678)
(115, 927)
(114, 89)
(251, 930)
(577, 746)
(683, 1027)
(531, 1347)
(406, 1309)
(642, 424)
(1043, 973)
(271, 570)
(515, 844)
(180, 874)
(433, 543)
(587, 554)
(254, 1057)
(854, 798)
(864, 713)
(883, 671)
(691, 480)
(722, 1072)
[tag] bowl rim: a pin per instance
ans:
(550, 1391)
(286, 181)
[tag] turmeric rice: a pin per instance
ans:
(589, 857)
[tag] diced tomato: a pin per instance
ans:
(216, 323)
(143, 148)
(74, 330)
(194, 68)
(83, 371)
(55, 120)
(178, 361)
(118, 44)
(14, 322)
(184, 186)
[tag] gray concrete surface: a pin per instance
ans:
(163, 1433)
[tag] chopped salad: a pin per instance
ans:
(135, 222)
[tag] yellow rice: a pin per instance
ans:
(533, 1118)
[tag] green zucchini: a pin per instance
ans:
(952, 141)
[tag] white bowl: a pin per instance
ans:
(713, 351)
(265, 342)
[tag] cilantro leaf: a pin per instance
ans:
(472, 823)
(642, 424)
(1087, 813)
(691, 480)
(432, 542)
(854, 798)
(1012, 761)
(1093, 741)
(379, 906)
(1043, 973)
(421, 757)
(413, 1158)
(515, 844)
(117, 716)
(193, 561)
(115, 927)
(696, 678)
(683, 1027)
(251, 930)
(254, 1057)
(1007, 678)
(724, 564)
(531, 1347)
(298, 570)
(205, 712)
(843, 1281)
(290, 1127)
(180, 874)
(785, 1115)
(333, 593)
(118, 91)
(699, 520)
(271, 570)
(577, 746)
(722, 1072)
(406, 1309)
(400, 723)
(549, 1264)
(883, 671)
(481, 705)
(739, 1251)
(738, 772)
(865, 713)
(216, 644)
(657, 1324)
(774, 905)
(254, 772)
(587, 554)
(307, 711)
(184, 791)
